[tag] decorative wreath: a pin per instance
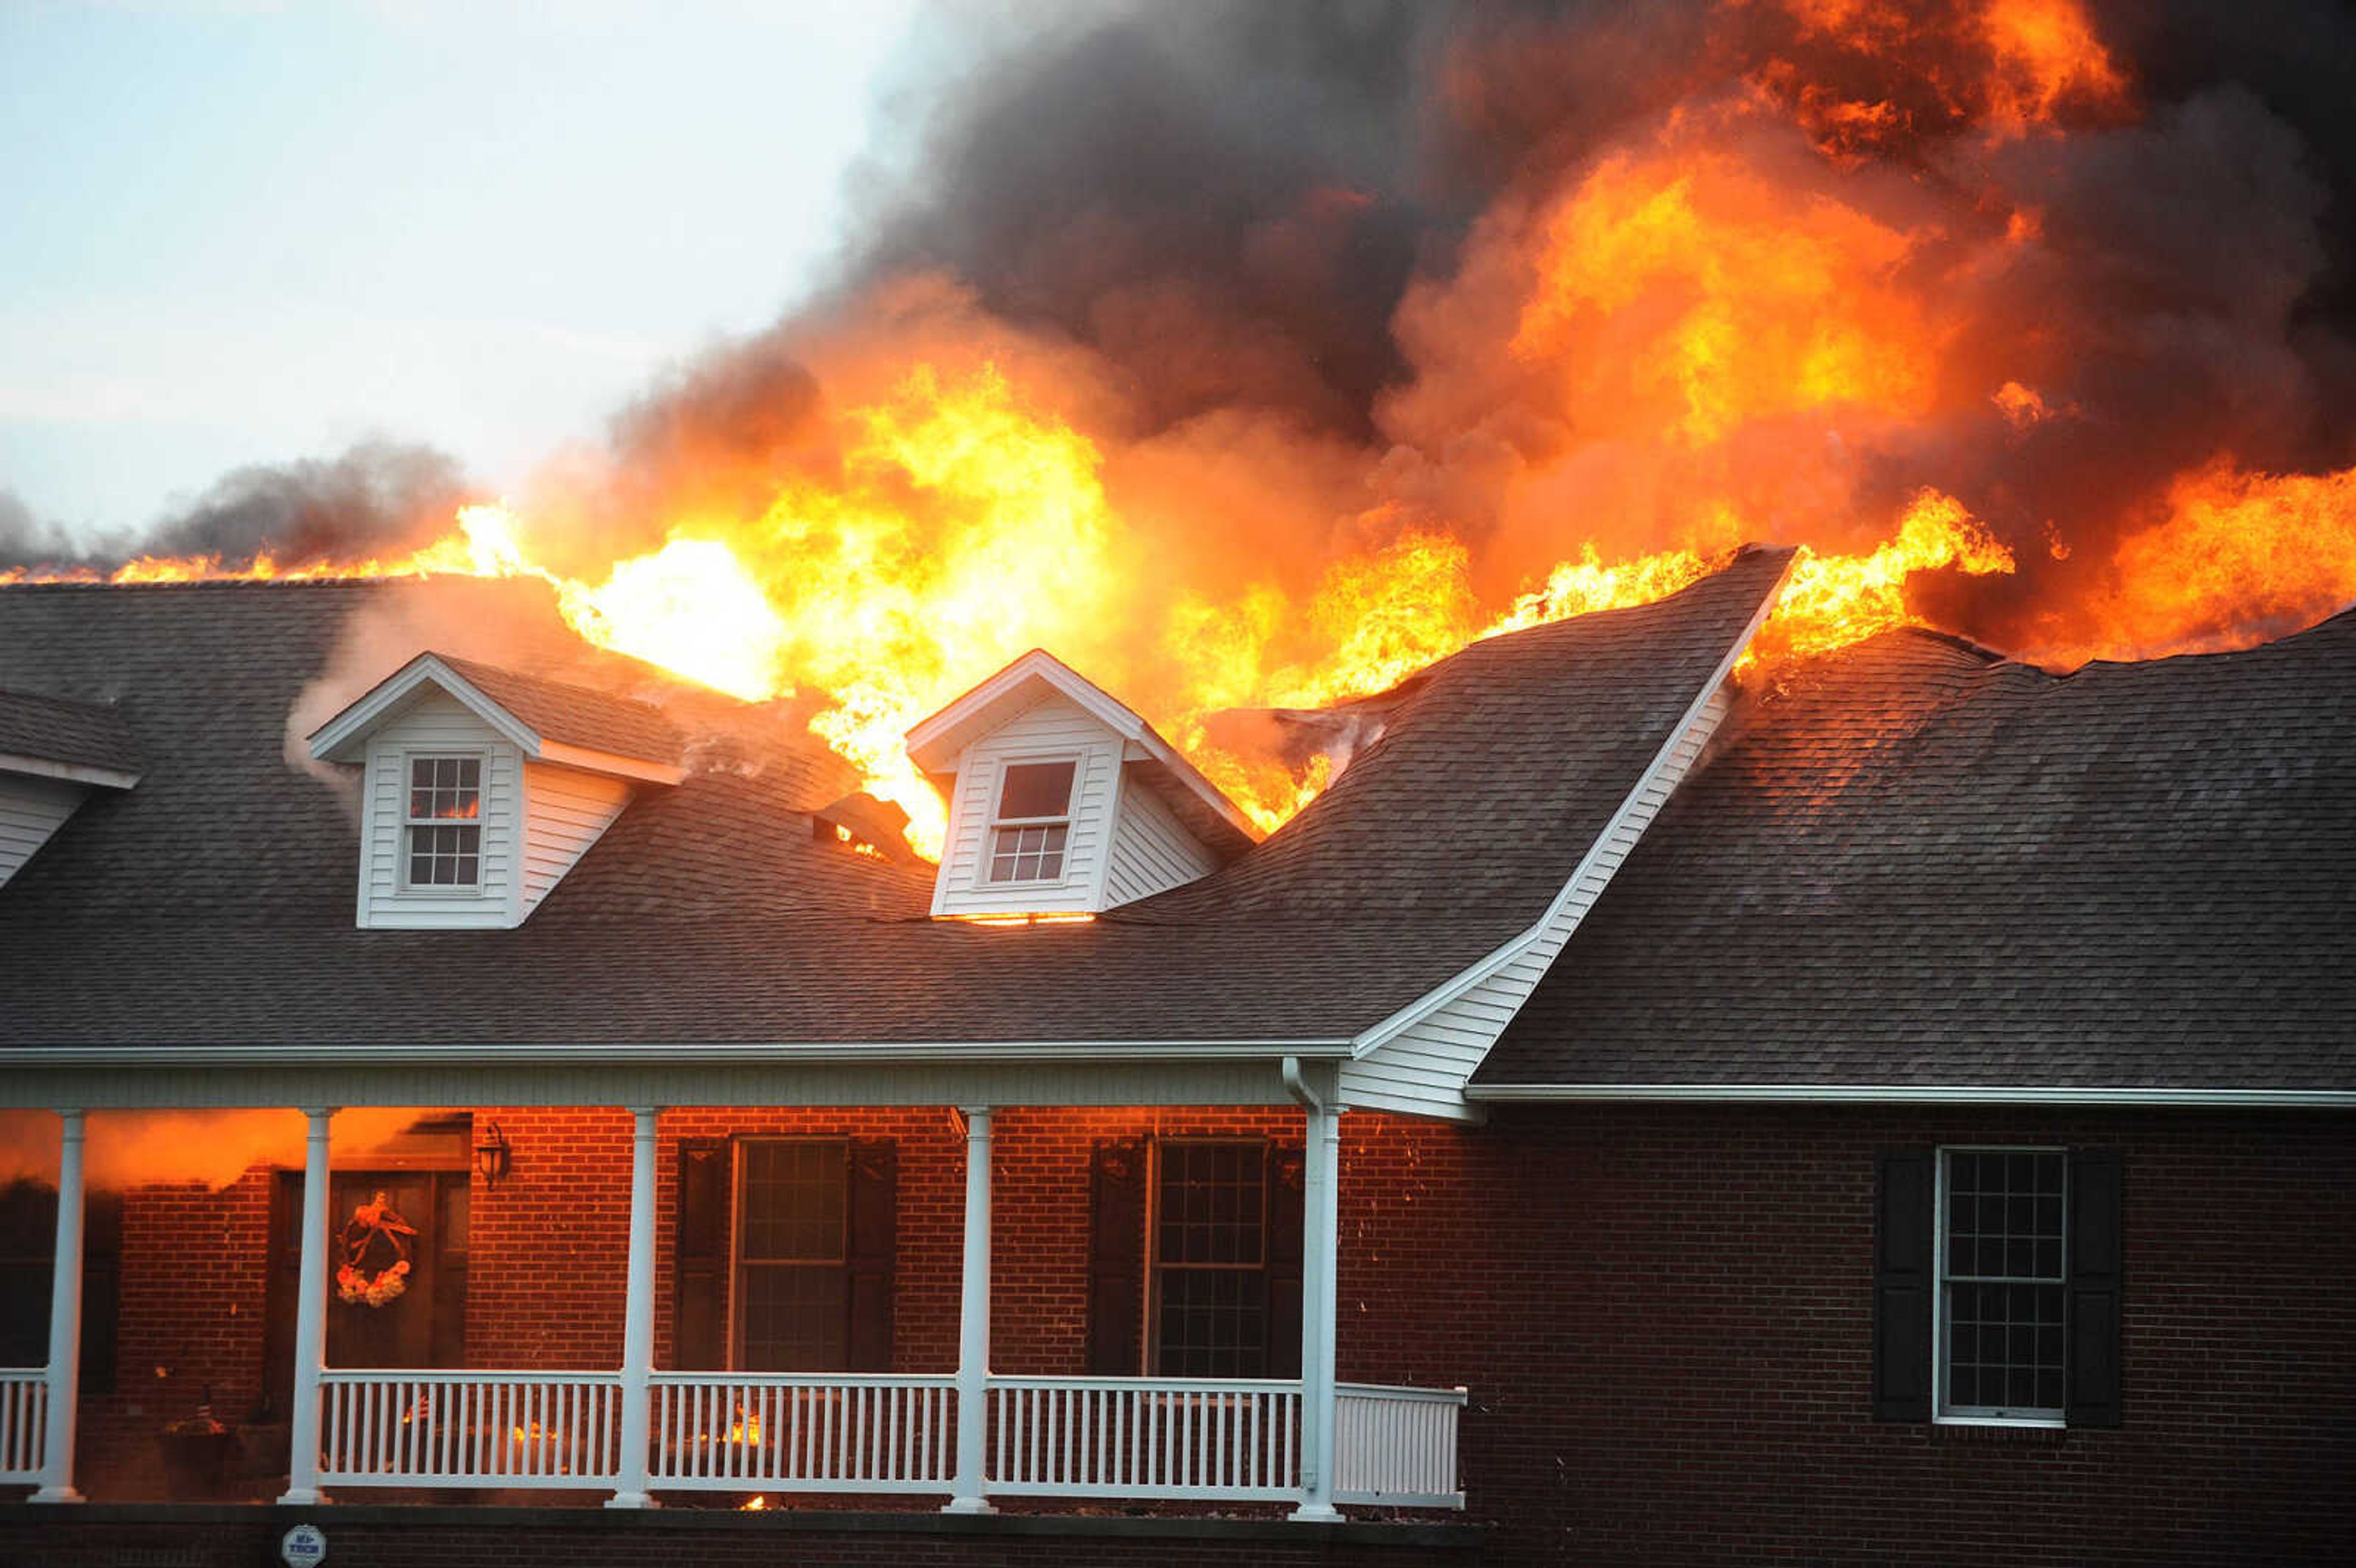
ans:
(376, 1255)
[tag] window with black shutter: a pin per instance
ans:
(1195, 1258)
(785, 1254)
(1997, 1286)
(28, 1239)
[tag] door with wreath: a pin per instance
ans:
(377, 1220)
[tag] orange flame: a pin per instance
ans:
(1683, 342)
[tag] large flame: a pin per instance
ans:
(1767, 312)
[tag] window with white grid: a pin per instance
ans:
(793, 1204)
(1032, 822)
(2003, 1261)
(1210, 1279)
(442, 833)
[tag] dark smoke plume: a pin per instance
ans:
(377, 497)
(27, 542)
(1280, 243)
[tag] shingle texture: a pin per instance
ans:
(214, 903)
(576, 715)
(1910, 864)
(80, 734)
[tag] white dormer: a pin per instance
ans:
(1062, 801)
(53, 754)
(480, 788)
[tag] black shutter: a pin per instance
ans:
(101, 1289)
(1286, 1163)
(873, 1238)
(699, 1258)
(1902, 1282)
(1116, 1257)
(2095, 1268)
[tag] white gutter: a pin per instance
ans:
(685, 1054)
(1902, 1094)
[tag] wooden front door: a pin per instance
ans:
(424, 1325)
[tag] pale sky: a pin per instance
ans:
(249, 233)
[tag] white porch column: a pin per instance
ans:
(64, 1393)
(638, 1317)
(973, 1323)
(1322, 1227)
(310, 1320)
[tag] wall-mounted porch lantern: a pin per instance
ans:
(491, 1155)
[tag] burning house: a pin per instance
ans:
(1892, 1094)
(1159, 882)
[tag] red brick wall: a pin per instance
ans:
(1663, 1315)
(550, 1244)
(192, 1263)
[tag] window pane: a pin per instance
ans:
(1212, 1324)
(2004, 1345)
(795, 1318)
(445, 789)
(1027, 854)
(1036, 789)
(795, 1201)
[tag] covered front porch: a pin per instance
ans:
(534, 1416)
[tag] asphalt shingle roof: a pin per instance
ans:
(213, 904)
(80, 734)
(576, 715)
(1912, 864)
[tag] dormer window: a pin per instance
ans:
(442, 832)
(1035, 819)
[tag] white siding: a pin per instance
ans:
(441, 725)
(30, 810)
(566, 811)
(1052, 730)
(1423, 1067)
(1150, 848)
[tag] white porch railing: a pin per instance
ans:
(24, 1422)
(1202, 1439)
(1131, 1437)
(1396, 1446)
(469, 1428)
(817, 1432)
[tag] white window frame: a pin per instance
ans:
(733, 1351)
(402, 886)
(1070, 816)
(1149, 1335)
(1987, 1415)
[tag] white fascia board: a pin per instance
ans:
(558, 754)
(684, 1054)
(68, 773)
(1905, 1095)
(1563, 903)
(930, 738)
(339, 738)
(334, 740)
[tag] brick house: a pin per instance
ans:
(1890, 1107)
